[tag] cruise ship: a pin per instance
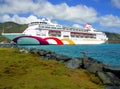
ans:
(45, 32)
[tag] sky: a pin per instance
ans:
(103, 15)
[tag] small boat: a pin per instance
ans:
(45, 32)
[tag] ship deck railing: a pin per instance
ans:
(12, 33)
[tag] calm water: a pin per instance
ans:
(107, 53)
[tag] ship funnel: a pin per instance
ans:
(88, 26)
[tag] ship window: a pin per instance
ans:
(41, 26)
(56, 35)
(72, 35)
(86, 36)
(53, 27)
(43, 34)
(47, 27)
(65, 36)
(59, 28)
(81, 36)
(78, 36)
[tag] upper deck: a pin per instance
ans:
(47, 24)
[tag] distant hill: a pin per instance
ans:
(11, 27)
(113, 37)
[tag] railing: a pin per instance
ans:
(11, 33)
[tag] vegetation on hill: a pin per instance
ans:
(27, 71)
(11, 27)
(113, 37)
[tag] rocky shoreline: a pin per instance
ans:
(109, 75)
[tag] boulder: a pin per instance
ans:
(113, 69)
(74, 63)
(104, 78)
(95, 67)
(109, 78)
(41, 53)
(23, 50)
(52, 56)
(87, 61)
(114, 79)
(91, 64)
(112, 87)
(33, 50)
(44, 52)
(63, 58)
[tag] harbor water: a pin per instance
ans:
(106, 53)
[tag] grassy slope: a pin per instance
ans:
(27, 71)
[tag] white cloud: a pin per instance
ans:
(109, 21)
(18, 19)
(17, 6)
(43, 8)
(77, 26)
(116, 3)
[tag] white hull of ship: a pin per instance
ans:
(27, 39)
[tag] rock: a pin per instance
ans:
(33, 51)
(104, 78)
(42, 53)
(114, 79)
(63, 58)
(87, 61)
(109, 78)
(91, 64)
(112, 87)
(52, 56)
(23, 50)
(74, 63)
(95, 67)
(113, 69)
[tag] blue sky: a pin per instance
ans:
(104, 15)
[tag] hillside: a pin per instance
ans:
(28, 71)
(10, 27)
(113, 37)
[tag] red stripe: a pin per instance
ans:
(59, 42)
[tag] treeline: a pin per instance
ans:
(10, 27)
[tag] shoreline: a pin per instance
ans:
(109, 75)
(23, 70)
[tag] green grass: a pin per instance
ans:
(28, 71)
